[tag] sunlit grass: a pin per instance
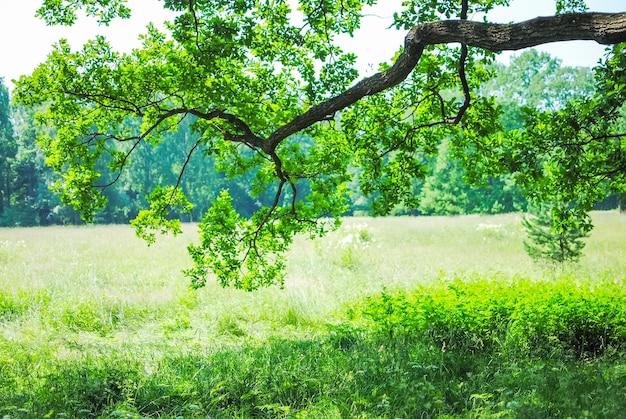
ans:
(103, 280)
(81, 295)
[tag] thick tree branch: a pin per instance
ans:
(604, 28)
(403, 66)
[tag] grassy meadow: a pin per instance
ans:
(392, 317)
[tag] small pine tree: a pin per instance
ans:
(555, 233)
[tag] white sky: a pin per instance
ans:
(25, 41)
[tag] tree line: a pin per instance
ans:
(533, 80)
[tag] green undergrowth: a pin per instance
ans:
(417, 317)
(532, 317)
(458, 347)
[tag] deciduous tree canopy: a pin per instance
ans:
(271, 93)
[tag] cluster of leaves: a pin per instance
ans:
(55, 12)
(220, 67)
(420, 11)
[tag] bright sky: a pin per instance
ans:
(25, 40)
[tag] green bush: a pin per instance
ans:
(476, 314)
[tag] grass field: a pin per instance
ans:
(391, 317)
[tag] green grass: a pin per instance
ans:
(391, 317)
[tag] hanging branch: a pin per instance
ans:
(604, 28)
(462, 75)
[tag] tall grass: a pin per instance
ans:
(95, 324)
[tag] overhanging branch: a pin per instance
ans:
(604, 28)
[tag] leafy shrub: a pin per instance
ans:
(584, 319)
(521, 315)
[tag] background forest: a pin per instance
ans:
(532, 80)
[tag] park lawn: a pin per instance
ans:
(389, 317)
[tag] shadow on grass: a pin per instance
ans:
(346, 373)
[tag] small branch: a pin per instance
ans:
(255, 234)
(119, 172)
(98, 99)
(464, 9)
(249, 138)
(410, 133)
(182, 170)
(609, 136)
(196, 23)
(462, 75)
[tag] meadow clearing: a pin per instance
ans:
(389, 317)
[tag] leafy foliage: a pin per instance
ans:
(272, 98)
(570, 6)
(65, 12)
(482, 314)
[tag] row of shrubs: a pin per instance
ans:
(511, 315)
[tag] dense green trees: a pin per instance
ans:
(8, 147)
(249, 76)
(444, 191)
(533, 81)
(27, 200)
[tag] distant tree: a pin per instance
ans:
(538, 80)
(8, 149)
(445, 191)
(448, 191)
(552, 241)
(533, 80)
(31, 201)
(254, 74)
(574, 155)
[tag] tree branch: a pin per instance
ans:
(466, 92)
(604, 28)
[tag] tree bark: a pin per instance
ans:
(604, 28)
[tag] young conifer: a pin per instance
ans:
(555, 233)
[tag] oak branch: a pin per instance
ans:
(604, 28)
